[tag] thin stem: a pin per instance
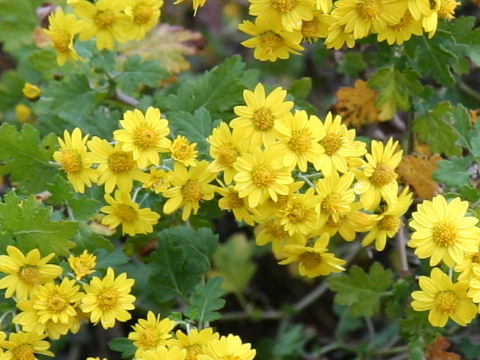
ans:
(137, 190)
(307, 180)
(371, 329)
(125, 98)
(469, 91)
(402, 252)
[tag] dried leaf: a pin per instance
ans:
(357, 105)
(168, 44)
(417, 171)
(40, 38)
(474, 115)
(436, 350)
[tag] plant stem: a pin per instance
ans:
(469, 91)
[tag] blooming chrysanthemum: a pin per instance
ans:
(324, 5)
(261, 175)
(230, 201)
(194, 342)
(401, 32)
(26, 272)
(469, 268)
(122, 210)
(337, 36)
(447, 9)
(164, 353)
(289, 13)
(443, 299)
(31, 91)
(316, 28)
(300, 135)
(151, 333)
(313, 261)
(256, 121)
(75, 160)
(443, 232)
(144, 16)
(82, 265)
(349, 224)
(430, 17)
(108, 299)
(300, 214)
(189, 187)
(270, 208)
(225, 147)
(116, 166)
(270, 40)
(24, 346)
(105, 20)
(23, 114)
(143, 135)
(157, 180)
(61, 30)
(379, 177)
(227, 347)
(183, 151)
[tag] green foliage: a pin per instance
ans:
(352, 64)
(290, 341)
(454, 172)
(416, 329)
(360, 290)
(206, 300)
(397, 302)
(124, 346)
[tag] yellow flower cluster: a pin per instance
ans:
(105, 20)
(444, 233)
(51, 305)
(280, 26)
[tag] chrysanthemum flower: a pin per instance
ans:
(349, 224)
(61, 30)
(164, 353)
(24, 346)
(25, 272)
(447, 9)
(324, 5)
(105, 20)
(116, 166)
(401, 32)
(157, 180)
(270, 208)
(256, 121)
(270, 40)
(183, 151)
(144, 16)
(83, 264)
(444, 299)
(379, 177)
(31, 91)
(143, 135)
(301, 212)
(108, 299)
(337, 36)
(289, 13)
(151, 333)
(189, 187)
(261, 175)
(469, 268)
(194, 342)
(430, 17)
(23, 114)
(75, 160)
(443, 232)
(227, 347)
(122, 210)
(316, 28)
(313, 261)
(230, 201)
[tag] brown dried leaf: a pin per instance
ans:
(417, 171)
(168, 44)
(40, 38)
(474, 114)
(357, 105)
(436, 350)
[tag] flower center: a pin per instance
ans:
(263, 119)
(332, 143)
(382, 175)
(193, 351)
(262, 175)
(120, 162)
(310, 260)
(275, 231)
(126, 213)
(310, 29)
(270, 42)
(369, 9)
(333, 204)
(182, 150)
(30, 275)
(56, 303)
(192, 191)
(389, 223)
(23, 352)
(301, 141)
(227, 156)
(145, 137)
(444, 234)
(148, 338)
(142, 14)
(234, 202)
(61, 41)
(72, 161)
(476, 258)
(284, 5)
(297, 213)
(446, 302)
(108, 299)
(82, 267)
(104, 19)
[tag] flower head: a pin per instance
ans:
(184, 151)
(31, 91)
(227, 347)
(194, 342)
(144, 15)
(83, 264)
(24, 346)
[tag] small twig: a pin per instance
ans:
(469, 91)
(125, 98)
(402, 252)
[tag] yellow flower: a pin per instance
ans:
(230, 201)
(261, 175)
(24, 346)
(194, 342)
(444, 299)
(122, 210)
(189, 187)
(469, 268)
(270, 40)
(447, 9)
(316, 28)
(75, 160)
(443, 232)
(23, 113)
(83, 264)
(196, 4)
(256, 121)
(116, 166)
(157, 180)
(349, 223)
(62, 29)
(313, 261)
(337, 36)
(143, 135)
(163, 353)
(183, 151)
(144, 16)
(227, 347)
(26, 272)
(300, 214)
(430, 17)
(105, 20)
(31, 91)
(108, 299)
(379, 177)
(402, 31)
(324, 5)
(271, 231)
(289, 13)
(151, 333)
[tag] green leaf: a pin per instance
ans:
(86, 239)
(11, 90)
(470, 349)
(352, 64)
(396, 302)
(206, 300)
(361, 291)
(462, 125)
(467, 39)
(26, 158)
(114, 258)
(30, 224)
(45, 62)
(290, 342)
(301, 88)
(454, 172)
(196, 127)
(124, 346)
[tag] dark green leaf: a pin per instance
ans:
(124, 346)
(137, 73)
(196, 127)
(206, 300)
(352, 64)
(301, 88)
(454, 172)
